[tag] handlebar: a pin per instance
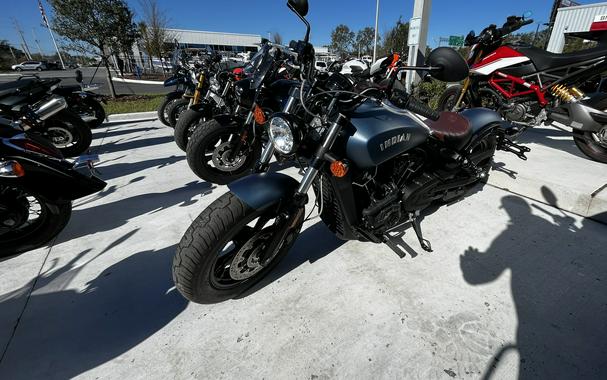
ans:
(409, 102)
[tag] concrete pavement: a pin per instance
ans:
(514, 288)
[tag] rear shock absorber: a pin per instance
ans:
(567, 94)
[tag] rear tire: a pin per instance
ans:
(197, 271)
(188, 122)
(68, 133)
(587, 143)
(175, 110)
(90, 107)
(203, 151)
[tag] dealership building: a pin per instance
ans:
(583, 21)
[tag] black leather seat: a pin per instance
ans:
(544, 60)
(12, 87)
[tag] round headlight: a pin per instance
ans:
(281, 135)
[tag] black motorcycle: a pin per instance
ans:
(218, 100)
(83, 101)
(33, 99)
(226, 147)
(183, 81)
(36, 189)
(373, 164)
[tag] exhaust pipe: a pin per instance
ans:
(50, 107)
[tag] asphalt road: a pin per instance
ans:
(68, 78)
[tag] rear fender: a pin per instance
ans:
(264, 190)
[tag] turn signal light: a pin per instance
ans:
(11, 169)
(339, 169)
(260, 118)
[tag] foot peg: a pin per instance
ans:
(507, 145)
(418, 232)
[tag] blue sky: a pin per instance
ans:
(448, 17)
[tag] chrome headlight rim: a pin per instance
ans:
(282, 135)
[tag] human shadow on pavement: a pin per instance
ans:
(559, 288)
(107, 216)
(66, 332)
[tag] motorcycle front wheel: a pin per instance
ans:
(210, 153)
(218, 257)
(169, 99)
(68, 133)
(175, 110)
(188, 122)
(28, 221)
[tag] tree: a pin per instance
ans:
(364, 40)
(153, 30)
(277, 38)
(98, 27)
(342, 39)
(396, 38)
(9, 55)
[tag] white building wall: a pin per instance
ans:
(572, 20)
(215, 38)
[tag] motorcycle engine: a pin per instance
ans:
(525, 112)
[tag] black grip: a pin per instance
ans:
(420, 108)
(527, 22)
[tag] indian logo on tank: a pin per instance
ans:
(398, 139)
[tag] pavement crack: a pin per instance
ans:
(29, 295)
(597, 191)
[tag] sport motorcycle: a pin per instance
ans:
(529, 86)
(374, 164)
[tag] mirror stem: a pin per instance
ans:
(307, 38)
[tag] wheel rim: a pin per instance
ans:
(60, 137)
(194, 126)
(21, 214)
(601, 137)
(239, 260)
(219, 151)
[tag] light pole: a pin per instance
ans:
(376, 22)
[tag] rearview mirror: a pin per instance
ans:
(78, 76)
(448, 65)
(527, 14)
(299, 6)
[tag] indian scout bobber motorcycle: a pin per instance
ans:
(36, 188)
(373, 163)
(529, 86)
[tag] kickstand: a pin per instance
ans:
(418, 232)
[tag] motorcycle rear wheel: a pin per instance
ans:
(218, 256)
(590, 145)
(28, 221)
(68, 133)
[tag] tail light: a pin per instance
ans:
(35, 146)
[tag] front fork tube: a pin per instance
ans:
(462, 94)
(242, 138)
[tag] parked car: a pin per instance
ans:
(30, 65)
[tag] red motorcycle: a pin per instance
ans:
(529, 86)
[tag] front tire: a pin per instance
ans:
(68, 133)
(209, 150)
(169, 99)
(175, 110)
(216, 258)
(188, 122)
(591, 145)
(449, 97)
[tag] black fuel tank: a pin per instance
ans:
(378, 135)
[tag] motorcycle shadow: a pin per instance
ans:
(66, 332)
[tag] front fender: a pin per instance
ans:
(262, 190)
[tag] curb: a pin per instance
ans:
(133, 117)
(136, 81)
